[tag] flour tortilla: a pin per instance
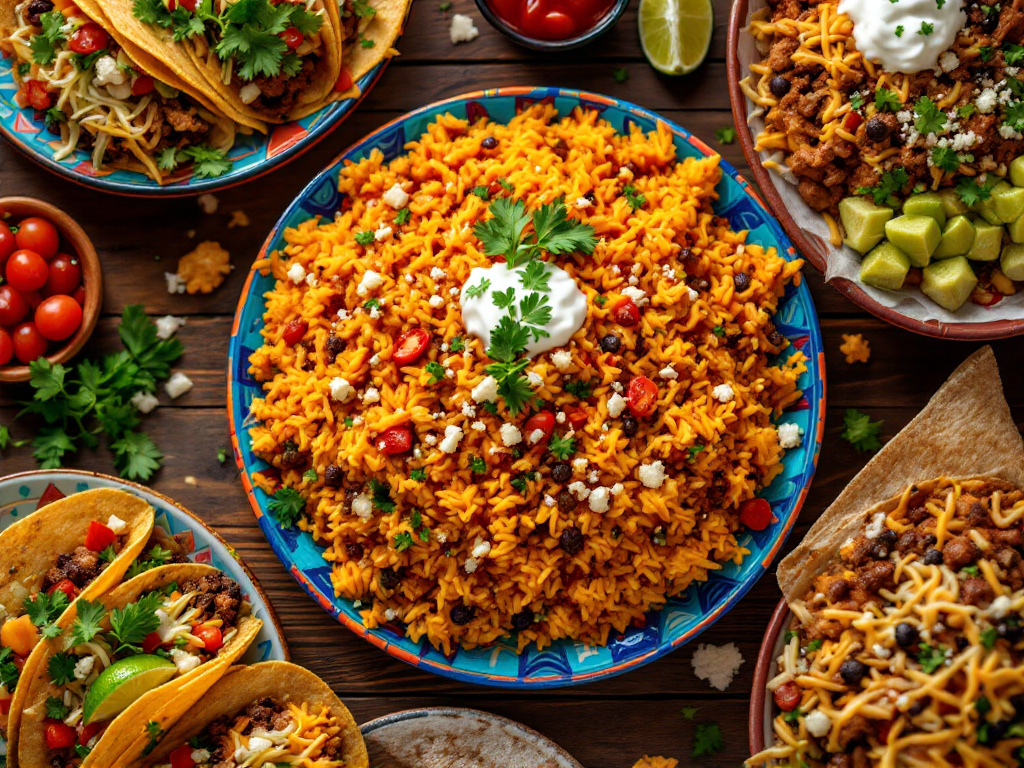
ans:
(966, 431)
(244, 685)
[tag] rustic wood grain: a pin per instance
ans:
(606, 724)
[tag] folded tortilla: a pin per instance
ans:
(383, 28)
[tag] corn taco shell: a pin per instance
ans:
(384, 28)
(118, 744)
(966, 431)
(281, 681)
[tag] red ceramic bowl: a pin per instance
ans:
(811, 249)
(761, 715)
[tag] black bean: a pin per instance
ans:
(489, 143)
(354, 551)
(333, 476)
(961, 643)
(561, 149)
(390, 578)
(561, 472)
(522, 620)
(699, 284)
(932, 557)
(611, 343)
(461, 614)
(990, 22)
(566, 501)
(779, 86)
(877, 129)
(906, 634)
(916, 708)
(629, 425)
(853, 671)
(775, 338)
(35, 9)
(571, 540)
(333, 347)
(1012, 631)
(590, 196)
(741, 281)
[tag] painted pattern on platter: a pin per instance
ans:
(684, 617)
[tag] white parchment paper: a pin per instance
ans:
(843, 261)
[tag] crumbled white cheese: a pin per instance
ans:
(371, 395)
(580, 464)
(718, 664)
(723, 393)
(549, 501)
(174, 283)
(249, 92)
(790, 436)
(382, 233)
(536, 436)
(452, 437)
(617, 489)
(256, 745)
(200, 756)
(430, 439)
(560, 417)
(579, 490)
(341, 390)
(177, 385)
(616, 405)
(594, 477)
(362, 506)
(168, 325)
(652, 475)
(876, 526)
(600, 499)
(370, 281)
(582, 203)
(880, 650)
(468, 410)
(437, 273)
(296, 273)
(486, 391)
(462, 29)
(692, 294)
(471, 565)
(817, 722)
(116, 524)
(375, 360)
(638, 295)
(562, 359)
(535, 379)
(390, 614)
(949, 61)
(510, 434)
(144, 402)
(107, 72)
(396, 197)
(480, 548)
(436, 301)
(1000, 607)
(478, 426)
(668, 372)
(186, 662)
(83, 667)
(987, 100)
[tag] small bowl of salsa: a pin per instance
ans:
(552, 25)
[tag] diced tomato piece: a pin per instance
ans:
(212, 638)
(576, 415)
(292, 37)
(142, 85)
(151, 642)
(787, 696)
(67, 586)
(88, 732)
(344, 81)
(756, 514)
(294, 330)
(188, 5)
(626, 312)
(852, 121)
(182, 757)
(411, 345)
(59, 736)
(99, 537)
(88, 38)
(641, 396)
(395, 440)
(36, 95)
(5, 706)
(544, 421)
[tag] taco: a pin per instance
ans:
(75, 548)
(369, 33)
(131, 111)
(270, 713)
(128, 665)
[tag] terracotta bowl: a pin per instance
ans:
(79, 243)
(760, 720)
(811, 249)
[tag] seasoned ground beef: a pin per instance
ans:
(80, 567)
(219, 597)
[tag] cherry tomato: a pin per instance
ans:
(292, 37)
(6, 347)
(88, 38)
(787, 696)
(36, 95)
(27, 271)
(344, 81)
(212, 638)
(151, 642)
(626, 313)
(142, 85)
(58, 317)
(34, 299)
(641, 396)
(395, 440)
(67, 586)
(13, 306)
(8, 243)
(79, 296)
(89, 732)
(29, 344)
(59, 736)
(576, 415)
(411, 345)
(852, 121)
(5, 706)
(544, 421)
(39, 235)
(65, 275)
(182, 757)
(756, 514)
(99, 536)
(294, 330)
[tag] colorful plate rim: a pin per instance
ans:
(986, 331)
(271, 625)
(552, 667)
(759, 723)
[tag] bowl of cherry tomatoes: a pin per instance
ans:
(52, 286)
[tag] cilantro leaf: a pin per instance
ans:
(580, 389)
(504, 299)
(136, 456)
(971, 192)
(44, 45)
(725, 135)
(156, 557)
(481, 192)
(44, 609)
(402, 541)
(436, 371)
(366, 237)
(87, 624)
(989, 637)
(930, 658)
(207, 162)
(478, 290)
(287, 506)
(620, 74)
(856, 101)
(62, 668)
(130, 625)
(930, 119)
(556, 233)
(402, 217)
(535, 312)
(707, 740)
(508, 340)
(535, 276)
(1013, 54)
(455, 345)
(419, 475)
(887, 101)
(888, 185)
(562, 447)
(945, 158)
(926, 28)
(382, 496)
(55, 708)
(153, 733)
(1013, 115)
(478, 465)
(634, 199)
(167, 159)
(861, 432)
(502, 234)
(689, 713)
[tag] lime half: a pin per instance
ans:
(676, 34)
(122, 683)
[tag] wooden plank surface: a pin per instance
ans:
(606, 724)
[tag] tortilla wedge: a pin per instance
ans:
(965, 432)
(31, 547)
(244, 685)
(384, 29)
(119, 744)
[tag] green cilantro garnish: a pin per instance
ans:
(444, 7)
(939, 3)
(860, 431)
(930, 658)
(562, 447)
(107, 555)
(989, 637)
(419, 475)
(382, 496)
(87, 624)
(363, 9)
(207, 162)
(504, 234)
(349, 422)
(707, 740)
(156, 557)
(519, 481)
(44, 45)
(966, 110)
(814, 645)
(689, 713)
(9, 672)
(792, 717)
(366, 42)
(167, 159)
(926, 28)
(402, 217)
(580, 389)
(153, 733)
(790, 634)
(930, 119)
(1013, 115)
(56, 709)
(478, 465)
(856, 101)
(365, 237)
(899, 31)
(456, 344)
(436, 371)
(310, 476)
(986, 52)
(222, 455)
(601, 300)
(402, 541)
(947, 159)
(1013, 54)
(44, 609)
(694, 450)
(620, 74)
(969, 570)
(971, 192)
(480, 192)
(54, 117)
(24, 69)
(372, 304)
(886, 100)
(634, 199)
(62, 668)
(719, 331)
(725, 135)
(506, 184)
(424, 534)
(888, 185)
(287, 506)
(982, 705)
(478, 290)
(130, 625)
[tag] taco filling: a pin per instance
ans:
(91, 94)
(908, 647)
(111, 658)
(267, 731)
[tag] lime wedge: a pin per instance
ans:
(676, 34)
(122, 683)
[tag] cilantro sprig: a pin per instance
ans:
(130, 625)
(287, 506)
(891, 182)
(207, 162)
(860, 431)
(44, 45)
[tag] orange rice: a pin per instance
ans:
(652, 542)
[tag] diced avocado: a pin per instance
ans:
(988, 241)
(952, 203)
(1011, 263)
(926, 204)
(949, 282)
(1016, 230)
(916, 236)
(1017, 171)
(987, 208)
(864, 222)
(1008, 203)
(957, 238)
(885, 267)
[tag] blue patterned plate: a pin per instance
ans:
(685, 617)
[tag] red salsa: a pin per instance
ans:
(552, 19)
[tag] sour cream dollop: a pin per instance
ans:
(905, 36)
(481, 315)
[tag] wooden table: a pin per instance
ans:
(607, 724)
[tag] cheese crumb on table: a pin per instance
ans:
(462, 29)
(856, 348)
(718, 664)
(144, 402)
(177, 385)
(168, 325)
